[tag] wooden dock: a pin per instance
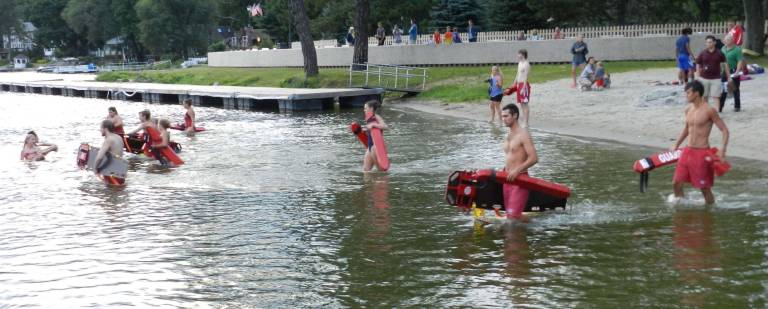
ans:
(229, 97)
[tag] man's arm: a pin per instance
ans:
(141, 127)
(531, 160)
(682, 137)
(715, 117)
(100, 155)
(727, 71)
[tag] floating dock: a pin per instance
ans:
(229, 97)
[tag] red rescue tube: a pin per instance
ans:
(182, 127)
(645, 165)
(378, 143)
(527, 182)
(357, 130)
(167, 152)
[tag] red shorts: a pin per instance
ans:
(523, 93)
(515, 198)
(695, 167)
(600, 82)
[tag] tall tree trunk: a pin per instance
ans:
(363, 9)
(301, 21)
(755, 25)
(705, 7)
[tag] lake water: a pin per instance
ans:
(271, 210)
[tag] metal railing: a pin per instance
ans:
(134, 66)
(387, 76)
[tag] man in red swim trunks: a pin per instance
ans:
(519, 155)
(521, 82)
(695, 165)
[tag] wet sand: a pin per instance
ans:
(635, 110)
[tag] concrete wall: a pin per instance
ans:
(612, 49)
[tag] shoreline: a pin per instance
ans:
(635, 111)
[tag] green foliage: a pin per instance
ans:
(512, 14)
(455, 12)
(217, 47)
(179, 27)
(9, 17)
(52, 30)
(91, 19)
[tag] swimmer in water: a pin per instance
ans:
(189, 118)
(117, 121)
(375, 121)
(32, 151)
(520, 155)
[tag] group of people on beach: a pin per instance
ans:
(719, 65)
(115, 137)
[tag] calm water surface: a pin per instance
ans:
(271, 210)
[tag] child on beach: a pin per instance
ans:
(372, 120)
(587, 77)
(602, 80)
(32, 151)
(495, 93)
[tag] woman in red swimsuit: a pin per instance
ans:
(116, 120)
(189, 118)
(32, 151)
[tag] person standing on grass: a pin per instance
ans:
(456, 37)
(708, 68)
(351, 36)
(448, 36)
(735, 62)
(471, 31)
(413, 32)
(436, 37)
(579, 51)
(684, 57)
(558, 35)
(380, 34)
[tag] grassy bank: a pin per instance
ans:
(447, 84)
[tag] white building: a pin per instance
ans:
(23, 41)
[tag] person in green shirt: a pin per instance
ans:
(735, 62)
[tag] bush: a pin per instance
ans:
(217, 47)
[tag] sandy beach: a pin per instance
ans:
(635, 110)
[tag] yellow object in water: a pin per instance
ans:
(477, 212)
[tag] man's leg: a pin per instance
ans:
(524, 107)
(737, 94)
(709, 198)
(678, 189)
(573, 74)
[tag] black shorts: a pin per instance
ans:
(497, 98)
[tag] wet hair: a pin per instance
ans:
(695, 86)
(145, 113)
(712, 37)
(165, 123)
(32, 133)
(109, 125)
(112, 109)
(187, 102)
(687, 31)
(374, 104)
(512, 109)
(523, 52)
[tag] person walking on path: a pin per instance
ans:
(708, 68)
(412, 33)
(735, 62)
(684, 57)
(397, 35)
(471, 31)
(579, 51)
(380, 34)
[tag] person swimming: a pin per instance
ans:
(32, 151)
(189, 118)
(117, 121)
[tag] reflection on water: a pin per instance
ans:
(271, 210)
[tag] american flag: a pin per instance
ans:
(255, 9)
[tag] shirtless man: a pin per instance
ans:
(519, 155)
(695, 163)
(113, 143)
(117, 121)
(521, 81)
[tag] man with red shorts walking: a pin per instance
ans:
(522, 85)
(520, 155)
(696, 163)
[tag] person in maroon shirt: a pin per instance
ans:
(708, 68)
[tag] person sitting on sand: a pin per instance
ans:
(602, 80)
(32, 151)
(587, 77)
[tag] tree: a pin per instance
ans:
(363, 9)
(125, 17)
(177, 27)
(91, 19)
(755, 25)
(705, 8)
(9, 20)
(456, 12)
(52, 30)
(301, 21)
(512, 14)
